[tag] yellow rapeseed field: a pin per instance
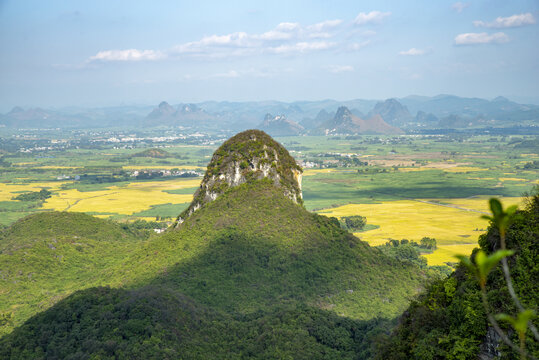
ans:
(480, 203)
(464, 169)
(446, 253)
(412, 220)
(454, 169)
(8, 191)
(454, 224)
(124, 200)
(309, 172)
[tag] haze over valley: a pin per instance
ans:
(284, 180)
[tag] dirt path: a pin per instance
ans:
(438, 204)
(451, 206)
(90, 197)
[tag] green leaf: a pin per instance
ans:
(486, 263)
(495, 258)
(520, 324)
(511, 210)
(496, 207)
(501, 219)
(486, 217)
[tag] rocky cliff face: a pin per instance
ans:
(248, 156)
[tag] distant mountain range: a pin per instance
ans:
(442, 111)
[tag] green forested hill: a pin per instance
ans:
(46, 256)
(251, 274)
(253, 247)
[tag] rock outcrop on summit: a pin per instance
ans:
(246, 157)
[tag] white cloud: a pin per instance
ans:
(412, 52)
(283, 31)
(357, 46)
(322, 30)
(284, 39)
(288, 26)
(238, 40)
(301, 47)
(340, 68)
(127, 55)
(459, 6)
(227, 75)
(480, 38)
(508, 22)
(373, 17)
(324, 25)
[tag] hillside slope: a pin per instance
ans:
(46, 256)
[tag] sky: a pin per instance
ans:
(107, 53)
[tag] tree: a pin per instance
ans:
(428, 243)
(353, 223)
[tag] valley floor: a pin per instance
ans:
(408, 187)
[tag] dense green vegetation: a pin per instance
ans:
(353, 223)
(157, 323)
(153, 153)
(448, 321)
(253, 271)
(34, 195)
(47, 256)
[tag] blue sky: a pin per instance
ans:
(102, 53)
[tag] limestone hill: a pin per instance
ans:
(344, 122)
(246, 157)
(153, 153)
(280, 126)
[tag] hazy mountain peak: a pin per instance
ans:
(188, 108)
(392, 111)
(164, 105)
(162, 110)
(500, 99)
(343, 112)
(16, 109)
(279, 125)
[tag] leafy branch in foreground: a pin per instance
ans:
(483, 265)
